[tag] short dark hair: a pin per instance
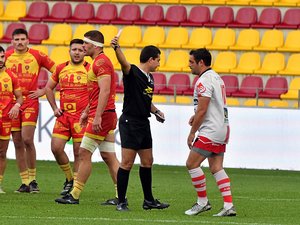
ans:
(201, 54)
(2, 49)
(20, 31)
(76, 41)
(95, 35)
(148, 52)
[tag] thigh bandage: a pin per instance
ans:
(89, 144)
(107, 146)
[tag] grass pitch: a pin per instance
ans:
(260, 196)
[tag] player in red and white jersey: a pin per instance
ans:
(26, 64)
(9, 89)
(99, 117)
(211, 122)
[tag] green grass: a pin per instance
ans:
(260, 196)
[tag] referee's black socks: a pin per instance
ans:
(146, 180)
(122, 183)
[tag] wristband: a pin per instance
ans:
(116, 47)
(157, 111)
(18, 104)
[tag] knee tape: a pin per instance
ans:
(89, 144)
(107, 146)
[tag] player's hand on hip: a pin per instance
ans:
(190, 140)
(58, 112)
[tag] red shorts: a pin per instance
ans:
(5, 128)
(28, 115)
(67, 126)
(206, 144)
(109, 123)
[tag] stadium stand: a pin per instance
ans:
(43, 78)
(293, 66)
(174, 16)
(182, 100)
(109, 32)
(9, 30)
(250, 87)
(271, 40)
(291, 43)
(60, 34)
(82, 13)
(80, 30)
(177, 61)
(293, 91)
(60, 54)
(190, 91)
(272, 64)
(223, 39)
(105, 13)
(291, 20)
(245, 17)
(153, 35)
(232, 102)
(178, 83)
(38, 32)
(59, 12)
(13, 11)
(198, 16)
(41, 48)
(254, 102)
(128, 14)
(287, 3)
(248, 63)
(231, 83)
(224, 62)
(130, 36)
(176, 37)
(275, 86)
(199, 38)
(247, 40)
(268, 18)
(151, 15)
(222, 16)
(36, 12)
(278, 104)
(160, 82)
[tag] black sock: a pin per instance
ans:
(122, 183)
(146, 180)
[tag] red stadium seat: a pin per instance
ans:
(222, 16)
(178, 83)
(291, 20)
(190, 91)
(151, 15)
(43, 78)
(269, 17)
(9, 30)
(105, 13)
(175, 15)
(275, 86)
(231, 84)
(36, 12)
(245, 17)
(198, 16)
(128, 14)
(82, 13)
(59, 12)
(250, 87)
(38, 32)
(119, 84)
(160, 82)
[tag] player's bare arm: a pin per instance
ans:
(14, 111)
(37, 93)
(51, 98)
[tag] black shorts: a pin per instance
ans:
(135, 133)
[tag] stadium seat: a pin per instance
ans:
(151, 15)
(14, 10)
(178, 83)
(38, 32)
(271, 40)
(247, 40)
(186, 100)
(275, 86)
(268, 18)
(223, 39)
(267, 3)
(60, 34)
(144, 1)
(60, 54)
(36, 12)
(9, 30)
(224, 62)
(190, 91)
(293, 66)
(130, 36)
(232, 102)
(59, 12)
(41, 48)
(291, 20)
(231, 84)
(167, 1)
(293, 91)
(177, 60)
(250, 87)
(245, 17)
(1, 30)
(214, 2)
(175, 15)
(176, 37)
(190, 2)
(80, 30)
(1, 8)
(160, 82)
(105, 13)
(248, 63)
(162, 57)
(254, 102)
(278, 104)
(159, 99)
(43, 78)
(291, 43)
(222, 16)
(287, 3)
(128, 14)
(119, 84)
(199, 38)
(109, 32)
(153, 35)
(239, 2)
(110, 53)
(198, 16)
(272, 64)
(82, 13)
(132, 55)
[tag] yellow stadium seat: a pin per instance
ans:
(80, 30)
(162, 57)
(239, 2)
(130, 36)
(190, 2)
(272, 64)
(177, 60)
(214, 2)
(182, 100)
(109, 32)
(176, 37)
(14, 10)
(232, 102)
(110, 52)
(223, 39)
(152, 36)
(254, 102)
(247, 40)
(144, 1)
(278, 104)
(1, 8)
(132, 55)
(122, 1)
(224, 62)
(271, 40)
(99, 0)
(292, 43)
(88, 59)
(248, 63)
(1, 30)
(59, 35)
(41, 48)
(293, 92)
(167, 1)
(159, 99)
(296, 105)
(200, 38)
(60, 54)
(287, 3)
(293, 65)
(263, 2)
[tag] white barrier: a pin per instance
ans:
(260, 138)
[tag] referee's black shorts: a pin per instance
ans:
(135, 133)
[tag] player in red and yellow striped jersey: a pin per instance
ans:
(9, 88)
(26, 64)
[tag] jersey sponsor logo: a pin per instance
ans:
(77, 128)
(27, 115)
(70, 107)
(28, 61)
(100, 62)
(201, 88)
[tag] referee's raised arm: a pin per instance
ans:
(125, 66)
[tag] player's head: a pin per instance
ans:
(76, 51)
(93, 42)
(200, 60)
(151, 55)
(20, 40)
(2, 57)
